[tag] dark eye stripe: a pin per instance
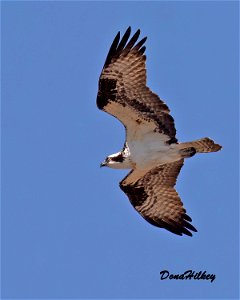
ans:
(118, 158)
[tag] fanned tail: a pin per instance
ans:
(204, 145)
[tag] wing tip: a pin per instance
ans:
(129, 29)
(172, 226)
(120, 45)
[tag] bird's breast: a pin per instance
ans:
(152, 153)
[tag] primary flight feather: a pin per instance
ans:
(151, 149)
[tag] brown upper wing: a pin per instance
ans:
(153, 195)
(123, 92)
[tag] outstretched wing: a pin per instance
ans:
(123, 92)
(153, 195)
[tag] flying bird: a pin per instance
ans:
(151, 150)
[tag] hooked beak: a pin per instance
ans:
(103, 164)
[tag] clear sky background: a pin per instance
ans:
(68, 231)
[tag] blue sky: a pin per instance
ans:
(68, 231)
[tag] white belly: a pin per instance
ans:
(151, 150)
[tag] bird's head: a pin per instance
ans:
(113, 161)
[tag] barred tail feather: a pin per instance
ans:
(204, 145)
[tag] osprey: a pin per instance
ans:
(151, 149)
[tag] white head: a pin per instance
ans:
(116, 161)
